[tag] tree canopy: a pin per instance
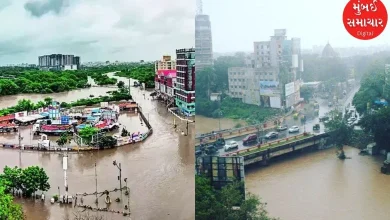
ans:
(8, 209)
(378, 124)
(218, 204)
(144, 73)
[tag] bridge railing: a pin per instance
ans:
(263, 125)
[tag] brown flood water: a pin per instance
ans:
(206, 125)
(319, 186)
(160, 171)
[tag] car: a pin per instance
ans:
(198, 152)
(271, 135)
(324, 118)
(211, 149)
(231, 145)
(281, 128)
(293, 129)
(316, 127)
(252, 138)
(330, 104)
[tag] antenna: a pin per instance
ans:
(199, 7)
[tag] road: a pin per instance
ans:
(308, 126)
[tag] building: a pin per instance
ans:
(165, 79)
(203, 39)
(166, 63)
(259, 82)
(58, 62)
(185, 81)
(328, 51)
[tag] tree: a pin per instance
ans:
(379, 125)
(120, 84)
(33, 179)
(11, 178)
(214, 204)
(63, 140)
(107, 141)
(8, 209)
(87, 133)
(340, 132)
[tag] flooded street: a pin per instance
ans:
(320, 186)
(160, 170)
(206, 125)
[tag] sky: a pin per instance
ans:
(237, 24)
(95, 30)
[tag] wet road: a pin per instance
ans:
(159, 171)
(289, 121)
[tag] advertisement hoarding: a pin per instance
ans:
(269, 88)
(275, 102)
(290, 100)
(290, 88)
(167, 73)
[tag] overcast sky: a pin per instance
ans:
(236, 24)
(96, 30)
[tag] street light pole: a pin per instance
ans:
(120, 175)
(20, 148)
(220, 116)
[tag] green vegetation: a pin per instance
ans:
(378, 124)
(28, 180)
(87, 133)
(8, 209)
(218, 204)
(28, 105)
(215, 80)
(234, 109)
(64, 139)
(144, 73)
(18, 80)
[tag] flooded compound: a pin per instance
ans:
(159, 171)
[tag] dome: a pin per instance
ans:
(328, 51)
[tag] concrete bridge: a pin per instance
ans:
(263, 153)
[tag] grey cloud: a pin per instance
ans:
(4, 4)
(16, 46)
(40, 8)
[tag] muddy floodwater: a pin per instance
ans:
(205, 125)
(160, 170)
(320, 186)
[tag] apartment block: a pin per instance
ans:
(185, 81)
(59, 62)
(165, 79)
(203, 41)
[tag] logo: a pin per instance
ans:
(365, 19)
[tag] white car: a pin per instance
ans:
(231, 145)
(271, 135)
(293, 129)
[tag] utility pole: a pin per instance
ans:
(129, 88)
(118, 165)
(65, 168)
(97, 201)
(20, 148)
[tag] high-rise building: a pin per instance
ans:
(203, 39)
(59, 62)
(165, 79)
(185, 81)
(260, 82)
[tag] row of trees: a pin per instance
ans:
(144, 73)
(218, 204)
(16, 80)
(318, 68)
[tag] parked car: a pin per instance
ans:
(198, 152)
(293, 129)
(231, 145)
(271, 135)
(211, 149)
(316, 127)
(281, 128)
(252, 138)
(324, 118)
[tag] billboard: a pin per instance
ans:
(275, 102)
(290, 100)
(167, 73)
(221, 170)
(269, 88)
(290, 88)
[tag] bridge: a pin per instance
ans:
(262, 153)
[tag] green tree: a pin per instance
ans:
(87, 133)
(11, 178)
(8, 209)
(33, 179)
(107, 142)
(219, 205)
(63, 140)
(379, 125)
(120, 84)
(340, 132)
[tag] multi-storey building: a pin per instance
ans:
(203, 41)
(59, 62)
(185, 81)
(165, 78)
(259, 82)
